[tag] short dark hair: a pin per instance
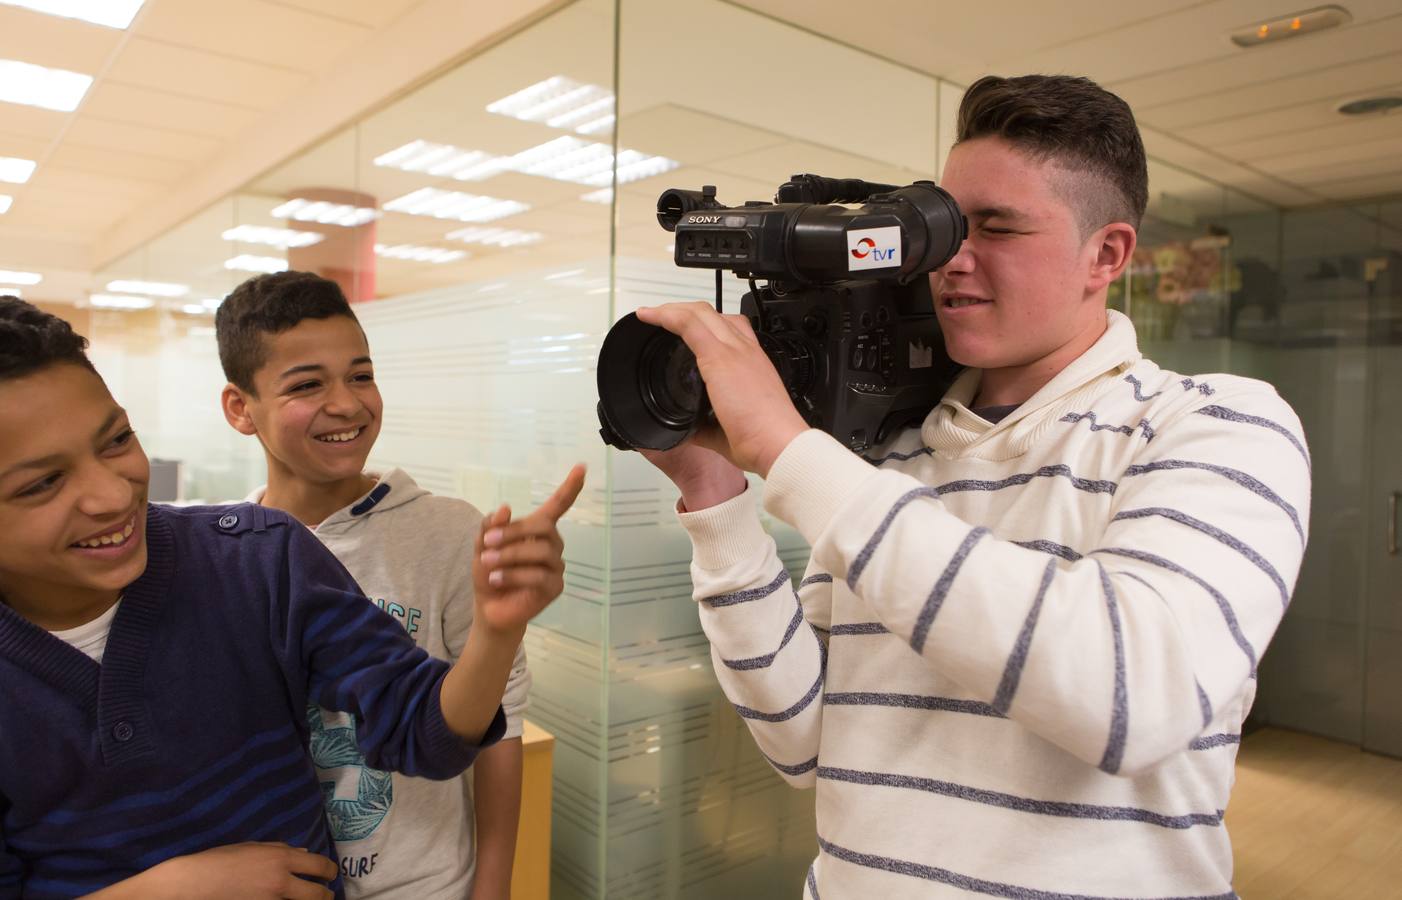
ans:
(1074, 123)
(31, 339)
(267, 305)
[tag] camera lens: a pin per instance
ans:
(650, 392)
(669, 381)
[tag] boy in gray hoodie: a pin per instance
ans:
(302, 382)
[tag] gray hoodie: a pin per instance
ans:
(402, 838)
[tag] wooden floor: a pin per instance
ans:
(1312, 819)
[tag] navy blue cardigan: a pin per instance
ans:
(193, 732)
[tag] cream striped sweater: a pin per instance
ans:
(1020, 658)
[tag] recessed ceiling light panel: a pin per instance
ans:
(247, 262)
(5, 201)
(455, 205)
(282, 238)
(444, 160)
(325, 213)
(16, 170)
(415, 253)
(31, 85)
(120, 301)
(9, 277)
(154, 288)
(494, 237)
(112, 13)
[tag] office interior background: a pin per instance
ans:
(481, 179)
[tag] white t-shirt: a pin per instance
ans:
(90, 638)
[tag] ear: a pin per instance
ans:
(1113, 247)
(236, 412)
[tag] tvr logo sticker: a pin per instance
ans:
(874, 248)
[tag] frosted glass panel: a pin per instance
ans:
(694, 810)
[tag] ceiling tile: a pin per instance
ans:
(76, 213)
(373, 13)
(1341, 131)
(1360, 188)
(23, 147)
(58, 43)
(92, 184)
(1328, 85)
(1288, 162)
(91, 131)
(254, 30)
(164, 110)
(107, 161)
(31, 121)
(203, 75)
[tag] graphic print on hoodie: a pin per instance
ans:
(405, 838)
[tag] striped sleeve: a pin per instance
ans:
(354, 658)
(1122, 656)
(767, 635)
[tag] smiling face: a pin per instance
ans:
(315, 407)
(1025, 294)
(72, 496)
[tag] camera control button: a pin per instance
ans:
(858, 357)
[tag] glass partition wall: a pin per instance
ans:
(493, 223)
(490, 226)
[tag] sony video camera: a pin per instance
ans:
(845, 316)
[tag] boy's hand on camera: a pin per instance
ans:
(518, 567)
(756, 416)
(261, 871)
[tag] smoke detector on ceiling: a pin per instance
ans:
(1364, 106)
(1286, 27)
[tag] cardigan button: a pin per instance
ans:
(229, 521)
(123, 731)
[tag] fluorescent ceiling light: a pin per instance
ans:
(15, 170)
(33, 85)
(9, 277)
(563, 159)
(494, 237)
(5, 201)
(583, 162)
(196, 309)
(419, 254)
(282, 238)
(602, 195)
(246, 262)
(112, 13)
(211, 303)
(455, 205)
(7, 291)
(154, 288)
(325, 213)
(444, 160)
(121, 301)
(560, 102)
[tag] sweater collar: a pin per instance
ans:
(953, 428)
(124, 660)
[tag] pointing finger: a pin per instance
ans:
(560, 502)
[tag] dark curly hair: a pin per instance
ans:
(1075, 123)
(270, 304)
(31, 339)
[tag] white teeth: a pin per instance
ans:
(959, 302)
(341, 437)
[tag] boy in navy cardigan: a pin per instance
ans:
(156, 663)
